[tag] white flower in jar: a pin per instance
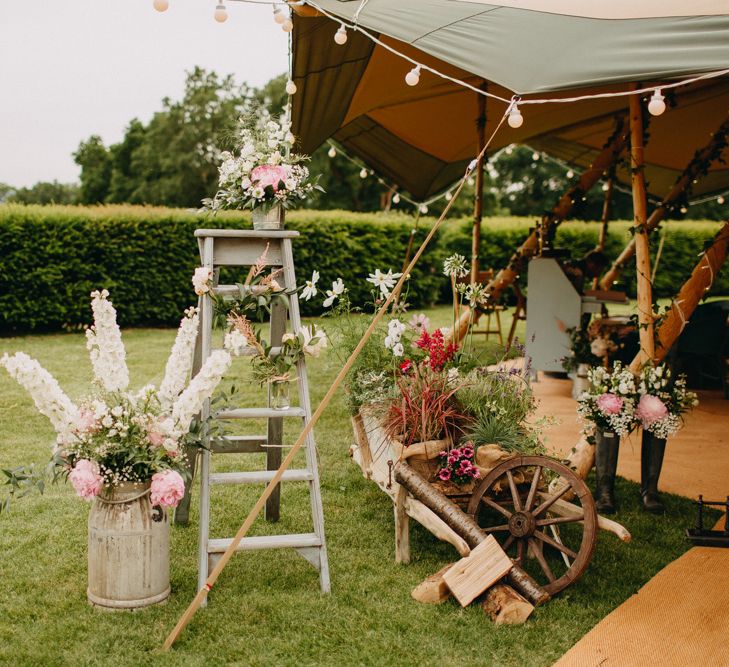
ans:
(245, 183)
(290, 184)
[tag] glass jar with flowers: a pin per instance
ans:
(261, 174)
(124, 451)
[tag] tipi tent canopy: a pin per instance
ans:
(423, 136)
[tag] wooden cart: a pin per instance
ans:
(522, 501)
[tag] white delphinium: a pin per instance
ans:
(336, 291)
(310, 287)
(201, 387)
(45, 391)
(104, 342)
(235, 342)
(201, 280)
(179, 362)
(383, 281)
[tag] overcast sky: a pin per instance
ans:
(72, 68)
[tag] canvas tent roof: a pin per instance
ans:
(422, 137)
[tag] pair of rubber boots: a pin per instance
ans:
(606, 463)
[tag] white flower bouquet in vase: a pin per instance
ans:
(261, 173)
(123, 450)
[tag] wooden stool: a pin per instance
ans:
(520, 313)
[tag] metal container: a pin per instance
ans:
(271, 220)
(129, 549)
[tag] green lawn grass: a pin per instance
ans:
(266, 607)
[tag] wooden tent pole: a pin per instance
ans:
(691, 293)
(478, 209)
(606, 206)
(642, 243)
(507, 276)
(701, 159)
(309, 426)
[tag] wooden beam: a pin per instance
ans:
(478, 209)
(642, 243)
(702, 158)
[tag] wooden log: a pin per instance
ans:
(642, 244)
(433, 590)
(464, 525)
(691, 293)
(699, 162)
(472, 575)
(504, 606)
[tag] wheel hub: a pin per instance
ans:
(521, 524)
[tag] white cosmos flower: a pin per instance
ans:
(398, 350)
(383, 281)
(336, 290)
(310, 287)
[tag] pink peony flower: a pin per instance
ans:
(168, 487)
(86, 479)
(158, 432)
(268, 174)
(86, 422)
(610, 404)
(650, 409)
(444, 475)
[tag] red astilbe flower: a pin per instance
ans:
(439, 354)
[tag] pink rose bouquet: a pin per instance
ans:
(609, 403)
(663, 401)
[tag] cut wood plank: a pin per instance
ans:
(504, 606)
(434, 589)
(472, 575)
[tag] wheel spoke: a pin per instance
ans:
(536, 548)
(494, 529)
(552, 543)
(520, 552)
(509, 541)
(560, 519)
(494, 505)
(555, 534)
(533, 488)
(514, 491)
(551, 500)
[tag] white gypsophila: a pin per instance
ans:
(201, 387)
(235, 342)
(666, 427)
(179, 363)
(49, 398)
(104, 342)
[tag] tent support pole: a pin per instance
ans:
(606, 206)
(699, 162)
(478, 209)
(507, 276)
(642, 242)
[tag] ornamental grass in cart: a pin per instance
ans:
(123, 450)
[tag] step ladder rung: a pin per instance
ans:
(252, 352)
(260, 413)
(259, 477)
(294, 541)
(239, 444)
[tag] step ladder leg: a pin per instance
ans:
(317, 510)
(206, 330)
(272, 513)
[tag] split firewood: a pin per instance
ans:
(433, 590)
(464, 525)
(504, 606)
(472, 575)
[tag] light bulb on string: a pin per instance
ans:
(332, 153)
(340, 37)
(570, 174)
(471, 181)
(291, 87)
(161, 5)
(720, 200)
(605, 187)
(448, 196)
(278, 15)
(412, 78)
(683, 209)
(363, 173)
(535, 156)
(657, 103)
(221, 15)
(423, 209)
(287, 25)
(515, 119)
(396, 198)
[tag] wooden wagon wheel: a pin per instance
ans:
(554, 549)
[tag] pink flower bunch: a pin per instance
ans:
(168, 488)
(610, 404)
(268, 174)
(650, 410)
(86, 479)
(457, 465)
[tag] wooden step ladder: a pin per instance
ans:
(235, 248)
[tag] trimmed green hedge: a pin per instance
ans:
(52, 257)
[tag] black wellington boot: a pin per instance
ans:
(652, 450)
(606, 463)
